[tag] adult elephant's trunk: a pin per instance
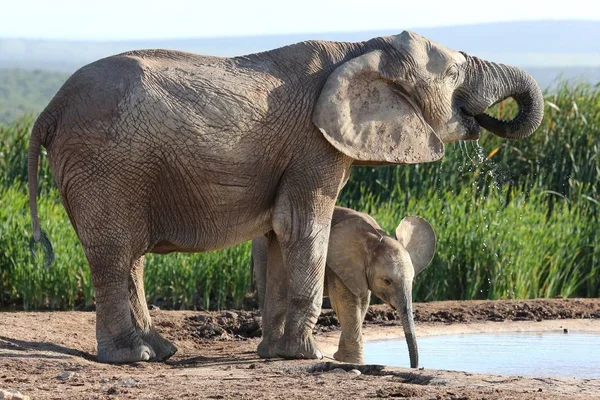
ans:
(404, 308)
(489, 83)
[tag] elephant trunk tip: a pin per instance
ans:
(511, 82)
(413, 352)
(528, 119)
(408, 325)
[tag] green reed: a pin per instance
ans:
(514, 219)
(490, 249)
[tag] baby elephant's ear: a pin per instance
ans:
(350, 243)
(418, 237)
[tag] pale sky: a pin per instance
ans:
(162, 19)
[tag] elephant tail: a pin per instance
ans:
(39, 236)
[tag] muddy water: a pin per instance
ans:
(575, 354)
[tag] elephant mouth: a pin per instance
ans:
(469, 121)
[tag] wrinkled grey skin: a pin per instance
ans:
(362, 258)
(156, 151)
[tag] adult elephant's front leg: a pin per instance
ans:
(302, 221)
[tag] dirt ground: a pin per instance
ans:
(51, 355)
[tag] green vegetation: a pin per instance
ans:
(513, 220)
(25, 92)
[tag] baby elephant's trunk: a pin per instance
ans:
(411, 338)
(408, 324)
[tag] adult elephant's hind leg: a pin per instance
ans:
(163, 348)
(118, 339)
(273, 291)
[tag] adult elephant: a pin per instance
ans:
(157, 151)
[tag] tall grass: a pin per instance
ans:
(490, 249)
(14, 142)
(210, 280)
(24, 280)
(213, 280)
(513, 220)
(562, 156)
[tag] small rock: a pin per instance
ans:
(565, 330)
(252, 366)
(128, 383)
(66, 375)
(12, 395)
(354, 372)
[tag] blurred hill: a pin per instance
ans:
(32, 70)
(532, 43)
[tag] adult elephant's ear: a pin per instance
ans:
(365, 116)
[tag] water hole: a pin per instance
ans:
(575, 354)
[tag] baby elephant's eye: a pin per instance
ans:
(387, 281)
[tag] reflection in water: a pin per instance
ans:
(537, 354)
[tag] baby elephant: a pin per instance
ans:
(362, 258)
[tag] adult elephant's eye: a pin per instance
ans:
(452, 74)
(386, 281)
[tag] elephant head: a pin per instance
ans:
(366, 259)
(405, 96)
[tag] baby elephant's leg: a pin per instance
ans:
(350, 310)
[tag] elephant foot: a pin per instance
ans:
(163, 349)
(114, 354)
(348, 358)
(350, 351)
(266, 349)
(298, 348)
